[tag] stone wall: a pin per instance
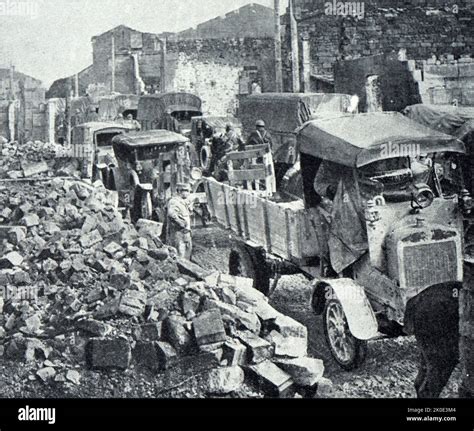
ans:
(447, 81)
(417, 26)
(218, 70)
(127, 41)
(252, 20)
(30, 111)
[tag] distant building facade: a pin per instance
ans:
(23, 107)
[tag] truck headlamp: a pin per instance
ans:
(466, 202)
(196, 174)
(422, 196)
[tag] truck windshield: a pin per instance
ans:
(393, 177)
(104, 139)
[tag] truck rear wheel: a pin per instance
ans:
(348, 351)
(142, 205)
(245, 262)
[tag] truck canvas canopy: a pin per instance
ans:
(294, 108)
(146, 145)
(217, 124)
(153, 107)
(110, 107)
(357, 140)
(452, 120)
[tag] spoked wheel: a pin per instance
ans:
(241, 263)
(244, 262)
(348, 351)
(142, 205)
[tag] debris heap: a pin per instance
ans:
(84, 288)
(34, 158)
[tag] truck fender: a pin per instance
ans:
(359, 313)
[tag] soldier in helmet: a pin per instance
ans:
(260, 136)
(179, 221)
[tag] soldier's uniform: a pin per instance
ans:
(179, 223)
(260, 136)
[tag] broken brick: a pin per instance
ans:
(94, 327)
(132, 303)
(108, 353)
(225, 380)
(151, 331)
(30, 220)
(10, 260)
(234, 353)
(176, 334)
(258, 349)
(90, 239)
(271, 379)
(209, 328)
(304, 371)
(167, 355)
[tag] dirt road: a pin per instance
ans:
(391, 364)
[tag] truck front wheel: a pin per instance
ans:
(348, 351)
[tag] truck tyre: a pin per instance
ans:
(146, 206)
(245, 262)
(142, 205)
(348, 351)
(205, 156)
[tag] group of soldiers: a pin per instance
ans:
(180, 207)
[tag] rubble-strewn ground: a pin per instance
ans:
(93, 306)
(116, 315)
(391, 365)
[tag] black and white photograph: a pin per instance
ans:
(222, 201)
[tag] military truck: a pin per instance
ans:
(283, 114)
(379, 223)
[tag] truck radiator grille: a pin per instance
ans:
(429, 264)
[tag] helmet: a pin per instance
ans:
(183, 186)
(260, 123)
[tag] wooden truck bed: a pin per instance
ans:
(282, 229)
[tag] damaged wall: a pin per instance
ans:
(218, 70)
(423, 28)
(30, 112)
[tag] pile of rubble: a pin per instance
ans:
(84, 288)
(31, 158)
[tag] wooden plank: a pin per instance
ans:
(242, 209)
(256, 225)
(247, 154)
(268, 222)
(247, 175)
(277, 229)
(226, 205)
(231, 200)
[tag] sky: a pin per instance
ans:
(51, 39)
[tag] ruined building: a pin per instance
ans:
(436, 35)
(22, 106)
(214, 61)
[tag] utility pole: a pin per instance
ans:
(68, 112)
(112, 82)
(164, 49)
(278, 63)
(295, 57)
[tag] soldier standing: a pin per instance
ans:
(260, 136)
(179, 221)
